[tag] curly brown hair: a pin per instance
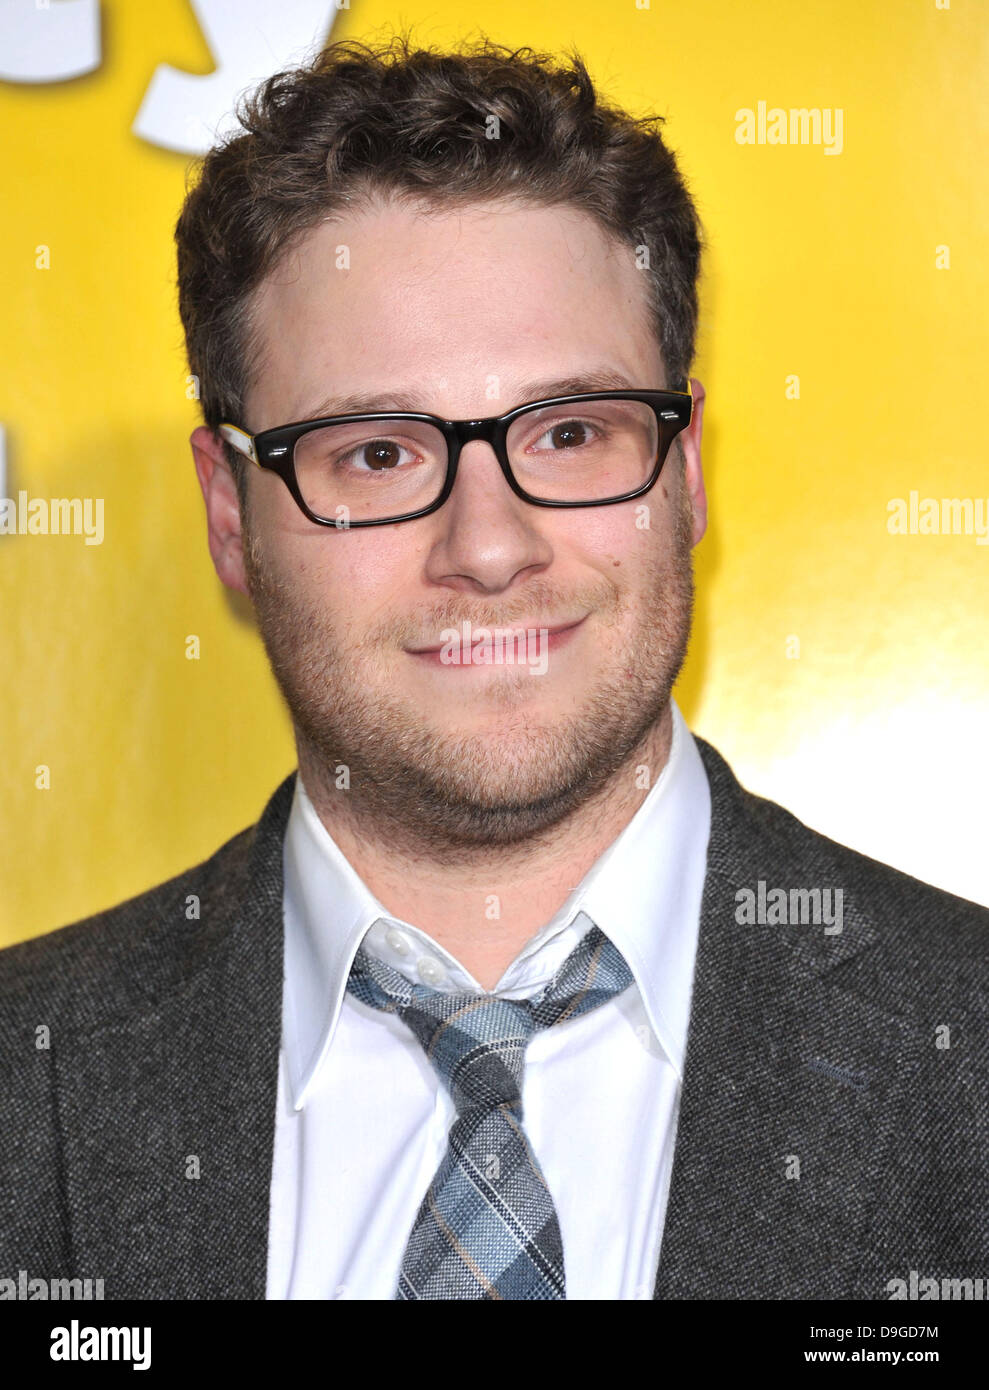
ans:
(361, 121)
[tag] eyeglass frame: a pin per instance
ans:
(274, 449)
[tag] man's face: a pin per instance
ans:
(468, 313)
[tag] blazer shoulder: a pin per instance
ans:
(89, 970)
(919, 926)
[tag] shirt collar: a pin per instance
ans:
(644, 892)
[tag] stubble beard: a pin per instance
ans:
(432, 790)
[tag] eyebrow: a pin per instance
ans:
(368, 403)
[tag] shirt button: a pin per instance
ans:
(430, 971)
(398, 941)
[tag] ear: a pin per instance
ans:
(222, 508)
(693, 472)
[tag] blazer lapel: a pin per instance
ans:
(791, 1079)
(168, 1114)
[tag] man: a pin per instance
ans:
(494, 1001)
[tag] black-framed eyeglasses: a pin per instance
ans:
(587, 450)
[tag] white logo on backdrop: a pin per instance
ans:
(181, 111)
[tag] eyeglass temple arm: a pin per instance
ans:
(240, 440)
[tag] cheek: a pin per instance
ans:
(623, 540)
(356, 576)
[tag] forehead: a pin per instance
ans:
(397, 294)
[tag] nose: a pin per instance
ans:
(470, 432)
(486, 536)
(480, 478)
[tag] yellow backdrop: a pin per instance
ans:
(840, 658)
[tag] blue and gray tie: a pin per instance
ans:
(487, 1227)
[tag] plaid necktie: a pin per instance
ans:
(487, 1227)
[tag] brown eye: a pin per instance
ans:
(381, 453)
(570, 434)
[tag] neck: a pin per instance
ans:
(484, 906)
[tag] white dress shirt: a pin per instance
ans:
(362, 1116)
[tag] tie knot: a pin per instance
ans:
(477, 1042)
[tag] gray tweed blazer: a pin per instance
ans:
(834, 1122)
